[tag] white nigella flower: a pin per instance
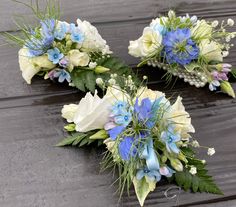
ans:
(193, 170)
(211, 151)
(230, 22)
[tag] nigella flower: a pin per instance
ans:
(152, 175)
(179, 47)
(170, 137)
(62, 75)
(127, 148)
(147, 111)
(76, 34)
(38, 44)
(55, 55)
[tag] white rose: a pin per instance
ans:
(93, 111)
(150, 41)
(144, 92)
(93, 41)
(134, 48)
(68, 112)
(77, 58)
(211, 50)
(30, 66)
(202, 30)
(180, 118)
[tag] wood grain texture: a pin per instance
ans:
(34, 173)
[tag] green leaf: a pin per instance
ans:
(201, 182)
(66, 141)
(142, 188)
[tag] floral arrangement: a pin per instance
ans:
(73, 53)
(189, 48)
(147, 139)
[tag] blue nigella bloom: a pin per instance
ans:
(179, 47)
(62, 75)
(127, 148)
(115, 132)
(61, 31)
(39, 45)
(170, 137)
(76, 34)
(152, 175)
(55, 55)
(147, 111)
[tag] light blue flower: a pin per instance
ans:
(62, 75)
(76, 34)
(123, 119)
(119, 107)
(170, 137)
(213, 85)
(152, 175)
(160, 28)
(166, 171)
(61, 31)
(55, 55)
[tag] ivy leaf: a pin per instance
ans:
(142, 188)
(201, 182)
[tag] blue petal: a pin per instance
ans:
(113, 133)
(140, 174)
(174, 148)
(126, 148)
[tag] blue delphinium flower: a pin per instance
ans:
(170, 137)
(179, 47)
(62, 75)
(61, 31)
(55, 55)
(152, 175)
(76, 34)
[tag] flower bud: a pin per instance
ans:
(70, 127)
(171, 14)
(101, 134)
(101, 69)
(227, 88)
(176, 164)
(68, 44)
(164, 159)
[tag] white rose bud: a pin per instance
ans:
(211, 151)
(193, 170)
(214, 23)
(68, 112)
(230, 22)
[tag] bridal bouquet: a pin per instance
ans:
(189, 48)
(65, 52)
(147, 139)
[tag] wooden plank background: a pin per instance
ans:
(34, 173)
